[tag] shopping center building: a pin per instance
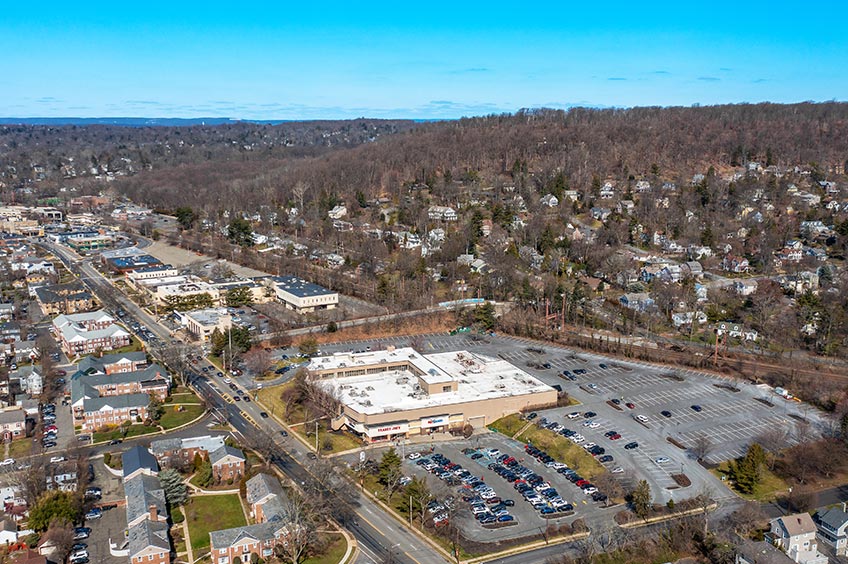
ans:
(400, 393)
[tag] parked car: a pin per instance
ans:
(82, 533)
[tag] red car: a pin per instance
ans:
(615, 437)
(581, 483)
(630, 405)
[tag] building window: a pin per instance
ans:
(446, 388)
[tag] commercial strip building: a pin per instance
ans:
(400, 392)
(301, 296)
(201, 323)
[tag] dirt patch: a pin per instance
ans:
(797, 417)
(405, 327)
(612, 405)
(764, 401)
(728, 387)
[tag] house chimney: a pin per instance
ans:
(154, 513)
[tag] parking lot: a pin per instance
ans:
(527, 519)
(727, 412)
(112, 525)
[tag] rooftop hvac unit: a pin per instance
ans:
(370, 388)
(367, 403)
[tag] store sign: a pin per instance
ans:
(391, 429)
(428, 422)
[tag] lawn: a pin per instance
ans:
(767, 490)
(271, 401)
(134, 346)
(211, 513)
(563, 450)
(333, 554)
(132, 431)
(184, 398)
(20, 448)
(172, 418)
(339, 441)
(508, 425)
(557, 446)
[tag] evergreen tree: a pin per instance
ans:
(240, 232)
(641, 499)
(747, 471)
(389, 466)
(175, 489)
(204, 474)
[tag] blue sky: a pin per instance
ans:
(305, 60)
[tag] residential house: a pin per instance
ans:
(29, 378)
(626, 207)
(732, 263)
(265, 497)
(745, 287)
(442, 213)
(113, 363)
(185, 448)
(692, 268)
(148, 543)
(138, 460)
(228, 463)
(337, 212)
(735, 330)
(571, 195)
(7, 311)
(639, 301)
(831, 528)
(86, 333)
(600, 214)
(145, 499)
(10, 331)
(12, 423)
(266, 500)
(701, 292)
(687, 317)
(153, 380)
(549, 200)
(110, 411)
(796, 536)
(607, 191)
(8, 532)
(64, 299)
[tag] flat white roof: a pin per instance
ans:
(478, 377)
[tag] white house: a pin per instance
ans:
(549, 200)
(337, 212)
(796, 536)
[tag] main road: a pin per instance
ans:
(379, 536)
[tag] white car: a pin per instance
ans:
(573, 415)
(662, 460)
(587, 446)
(414, 455)
(227, 381)
(592, 424)
(641, 418)
(57, 459)
(590, 490)
(617, 470)
(7, 462)
(577, 438)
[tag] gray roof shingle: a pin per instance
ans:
(141, 492)
(138, 458)
(148, 534)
